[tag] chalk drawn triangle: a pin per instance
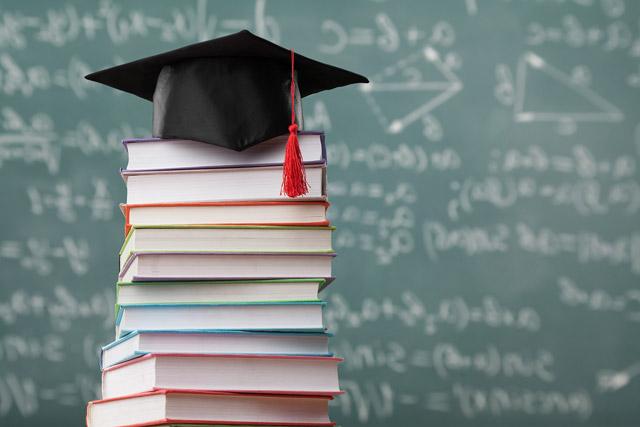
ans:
(546, 94)
(410, 89)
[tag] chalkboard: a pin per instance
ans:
(484, 187)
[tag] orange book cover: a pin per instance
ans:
(126, 209)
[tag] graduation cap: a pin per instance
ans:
(233, 91)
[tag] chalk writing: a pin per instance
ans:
(412, 74)
(39, 254)
(498, 401)
(30, 141)
(587, 247)
(378, 400)
(59, 308)
(471, 240)
(403, 192)
(16, 79)
(411, 312)
(403, 157)
(36, 139)
(61, 26)
(591, 108)
(25, 395)
(65, 203)
(580, 162)
(587, 197)
(609, 380)
(446, 360)
(600, 300)
(48, 348)
(614, 36)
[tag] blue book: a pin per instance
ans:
(139, 343)
(295, 316)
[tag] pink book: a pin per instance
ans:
(200, 407)
(273, 374)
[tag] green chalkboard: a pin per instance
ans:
(484, 187)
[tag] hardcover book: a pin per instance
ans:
(172, 154)
(269, 374)
(170, 407)
(241, 212)
(160, 266)
(283, 316)
(218, 185)
(234, 291)
(229, 238)
(139, 343)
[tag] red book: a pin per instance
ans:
(313, 375)
(197, 407)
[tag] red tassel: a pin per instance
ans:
(294, 180)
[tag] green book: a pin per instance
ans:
(225, 238)
(230, 291)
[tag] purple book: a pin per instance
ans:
(147, 154)
(161, 266)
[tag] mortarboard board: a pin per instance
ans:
(233, 91)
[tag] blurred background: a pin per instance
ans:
(484, 187)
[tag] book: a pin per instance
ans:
(155, 153)
(205, 213)
(198, 292)
(283, 316)
(216, 185)
(160, 266)
(229, 238)
(167, 407)
(231, 373)
(139, 343)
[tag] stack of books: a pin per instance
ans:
(219, 320)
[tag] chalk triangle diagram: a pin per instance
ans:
(546, 94)
(410, 89)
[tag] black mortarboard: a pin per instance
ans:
(234, 91)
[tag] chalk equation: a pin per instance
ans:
(447, 360)
(454, 314)
(370, 400)
(584, 246)
(66, 204)
(66, 24)
(41, 254)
